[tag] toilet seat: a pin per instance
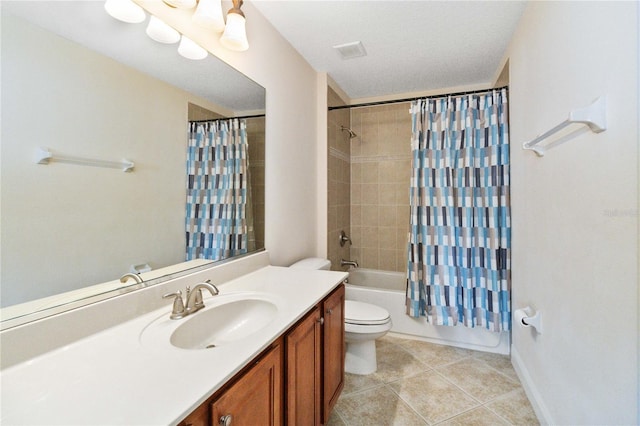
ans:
(364, 314)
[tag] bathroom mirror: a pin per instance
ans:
(82, 84)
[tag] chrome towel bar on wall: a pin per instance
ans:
(594, 116)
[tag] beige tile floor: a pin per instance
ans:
(419, 383)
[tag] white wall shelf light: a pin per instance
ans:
(44, 156)
(593, 116)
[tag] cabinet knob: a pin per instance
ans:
(321, 320)
(329, 311)
(225, 420)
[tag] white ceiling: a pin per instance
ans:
(412, 46)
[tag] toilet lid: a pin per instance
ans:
(364, 313)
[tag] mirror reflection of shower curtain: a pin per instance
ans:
(218, 190)
(459, 243)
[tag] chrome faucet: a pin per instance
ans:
(353, 263)
(136, 278)
(193, 297)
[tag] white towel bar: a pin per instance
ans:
(43, 156)
(593, 116)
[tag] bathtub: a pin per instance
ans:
(387, 289)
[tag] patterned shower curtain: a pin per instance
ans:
(459, 242)
(217, 189)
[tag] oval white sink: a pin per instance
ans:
(223, 323)
(227, 318)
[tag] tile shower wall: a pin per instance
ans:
(339, 178)
(380, 176)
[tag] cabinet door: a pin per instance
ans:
(333, 348)
(256, 398)
(303, 374)
(200, 417)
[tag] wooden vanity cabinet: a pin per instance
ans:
(255, 398)
(297, 381)
(314, 363)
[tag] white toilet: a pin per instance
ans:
(363, 323)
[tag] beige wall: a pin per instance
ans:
(380, 175)
(575, 212)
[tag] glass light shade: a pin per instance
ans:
(161, 32)
(125, 11)
(181, 4)
(235, 34)
(190, 50)
(209, 15)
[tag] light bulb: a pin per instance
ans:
(190, 50)
(235, 34)
(161, 32)
(209, 15)
(125, 11)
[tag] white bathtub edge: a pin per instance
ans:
(408, 327)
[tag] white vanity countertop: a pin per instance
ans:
(113, 378)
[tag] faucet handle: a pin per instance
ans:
(178, 305)
(199, 303)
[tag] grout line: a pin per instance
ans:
(499, 372)
(458, 414)
(363, 390)
(407, 404)
(496, 413)
(356, 159)
(458, 387)
(337, 413)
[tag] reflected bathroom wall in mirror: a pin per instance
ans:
(82, 84)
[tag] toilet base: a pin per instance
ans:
(361, 357)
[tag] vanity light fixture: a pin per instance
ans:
(208, 14)
(125, 11)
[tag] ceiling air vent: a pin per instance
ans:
(351, 50)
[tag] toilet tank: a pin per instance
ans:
(313, 263)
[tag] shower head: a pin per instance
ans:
(352, 134)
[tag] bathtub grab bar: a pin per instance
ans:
(594, 116)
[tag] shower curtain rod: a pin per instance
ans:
(228, 118)
(399, 101)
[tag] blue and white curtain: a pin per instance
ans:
(217, 189)
(459, 250)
